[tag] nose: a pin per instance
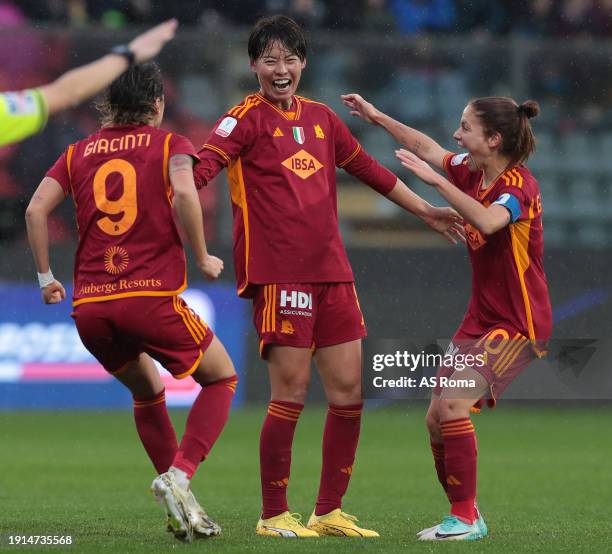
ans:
(281, 68)
(456, 135)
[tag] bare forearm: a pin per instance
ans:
(36, 223)
(189, 212)
(83, 82)
(409, 200)
(415, 141)
(472, 211)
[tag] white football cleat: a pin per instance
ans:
(186, 519)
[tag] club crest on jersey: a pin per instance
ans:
(303, 164)
(319, 132)
(298, 135)
(226, 127)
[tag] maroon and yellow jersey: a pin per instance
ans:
(128, 242)
(281, 167)
(508, 280)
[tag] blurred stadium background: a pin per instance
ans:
(419, 60)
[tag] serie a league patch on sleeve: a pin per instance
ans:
(511, 203)
(459, 158)
(226, 126)
(20, 103)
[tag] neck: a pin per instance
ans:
(284, 105)
(493, 168)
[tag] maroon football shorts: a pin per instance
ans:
(307, 315)
(164, 327)
(498, 354)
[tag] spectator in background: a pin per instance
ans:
(575, 18)
(418, 16)
(483, 17)
(542, 19)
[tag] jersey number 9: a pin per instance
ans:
(126, 204)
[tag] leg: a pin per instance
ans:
(459, 439)
(210, 409)
(340, 370)
(150, 413)
(432, 421)
(289, 370)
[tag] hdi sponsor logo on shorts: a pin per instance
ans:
(297, 301)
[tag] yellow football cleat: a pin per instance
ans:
(285, 525)
(338, 524)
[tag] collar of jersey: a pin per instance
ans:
(298, 107)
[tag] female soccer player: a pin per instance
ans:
(509, 320)
(129, 270)
(281, 152)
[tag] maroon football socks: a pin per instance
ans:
(275, 455)
(155, 430)
(205, 422)
(340, 439)
(460, 457)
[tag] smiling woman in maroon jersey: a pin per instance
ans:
(281, 152)
(509, 318)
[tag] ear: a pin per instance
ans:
(303, 63)
(494, 140)
(252, 65)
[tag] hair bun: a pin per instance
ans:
(530, 108)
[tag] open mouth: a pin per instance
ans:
(282, 85)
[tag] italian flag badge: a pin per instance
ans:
(298, 135)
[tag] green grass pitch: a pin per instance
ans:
(544, 482)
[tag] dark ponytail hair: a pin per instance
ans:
(500, 114)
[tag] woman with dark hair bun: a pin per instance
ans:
(509, 320)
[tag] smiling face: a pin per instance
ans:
(471, 136)
(278, 71)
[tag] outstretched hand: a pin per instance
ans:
(360, 107)
(448, 223)
(418, 166)
(148, 44)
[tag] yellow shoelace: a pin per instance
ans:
(295, 519)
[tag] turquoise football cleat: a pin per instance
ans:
(453, 529)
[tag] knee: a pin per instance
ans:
(291, 389)
(345, 392)
(433, 426)
(452, 408)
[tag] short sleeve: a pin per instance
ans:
(181, 145)
(60, 171)
(455, 166)
(229, 137)
(22, 114)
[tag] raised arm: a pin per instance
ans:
(415, 141)
(47, 197)
(82, 83)
(189, 212)
(487, 220)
